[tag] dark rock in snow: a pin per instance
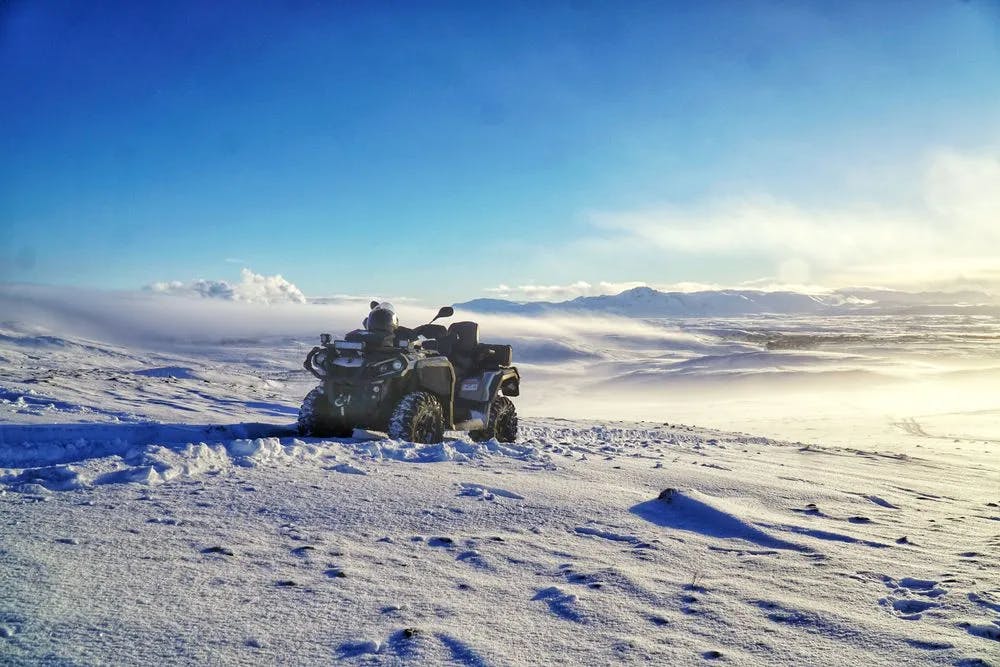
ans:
(666, 495)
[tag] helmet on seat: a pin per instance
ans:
(382, 319)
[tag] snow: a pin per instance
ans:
(568, 560)
(156, 506)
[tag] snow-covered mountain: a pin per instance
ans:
(649, 302)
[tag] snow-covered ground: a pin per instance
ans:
(156, 507)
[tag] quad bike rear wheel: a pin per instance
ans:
(501, 422)
(418, 418)
(316, 421)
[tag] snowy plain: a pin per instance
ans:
(731, 491)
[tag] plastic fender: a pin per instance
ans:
(436, 375)
(509, 382)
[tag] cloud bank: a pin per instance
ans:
(948, 237)
(252, 288)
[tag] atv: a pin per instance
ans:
(413, 384)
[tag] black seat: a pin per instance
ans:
(464, 339)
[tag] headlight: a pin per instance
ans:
(393, 366)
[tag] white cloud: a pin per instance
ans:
(252, 288)
(949, 235)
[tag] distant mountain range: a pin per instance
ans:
(649, 302)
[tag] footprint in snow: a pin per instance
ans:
(657, 620)
(416, 645)
(789, 616)
(984, 630)
(560, 603)
(359, 647)
(639, 548)
(474, 558)
(985, 600)
(689, 602)
(811, 509)
(593, 581)
(907, 609)
(925, 587)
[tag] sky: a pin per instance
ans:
(446, 151)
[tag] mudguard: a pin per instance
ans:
(482, 388)
(510, 381)
(436, 375)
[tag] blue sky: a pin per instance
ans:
(440, 150)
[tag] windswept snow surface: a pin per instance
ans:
(564, 548)
(156, 507)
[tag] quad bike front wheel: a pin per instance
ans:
(418, 418)
(501, 422)
(315, 419)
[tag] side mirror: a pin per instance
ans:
(446, 311)
(372, 305)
